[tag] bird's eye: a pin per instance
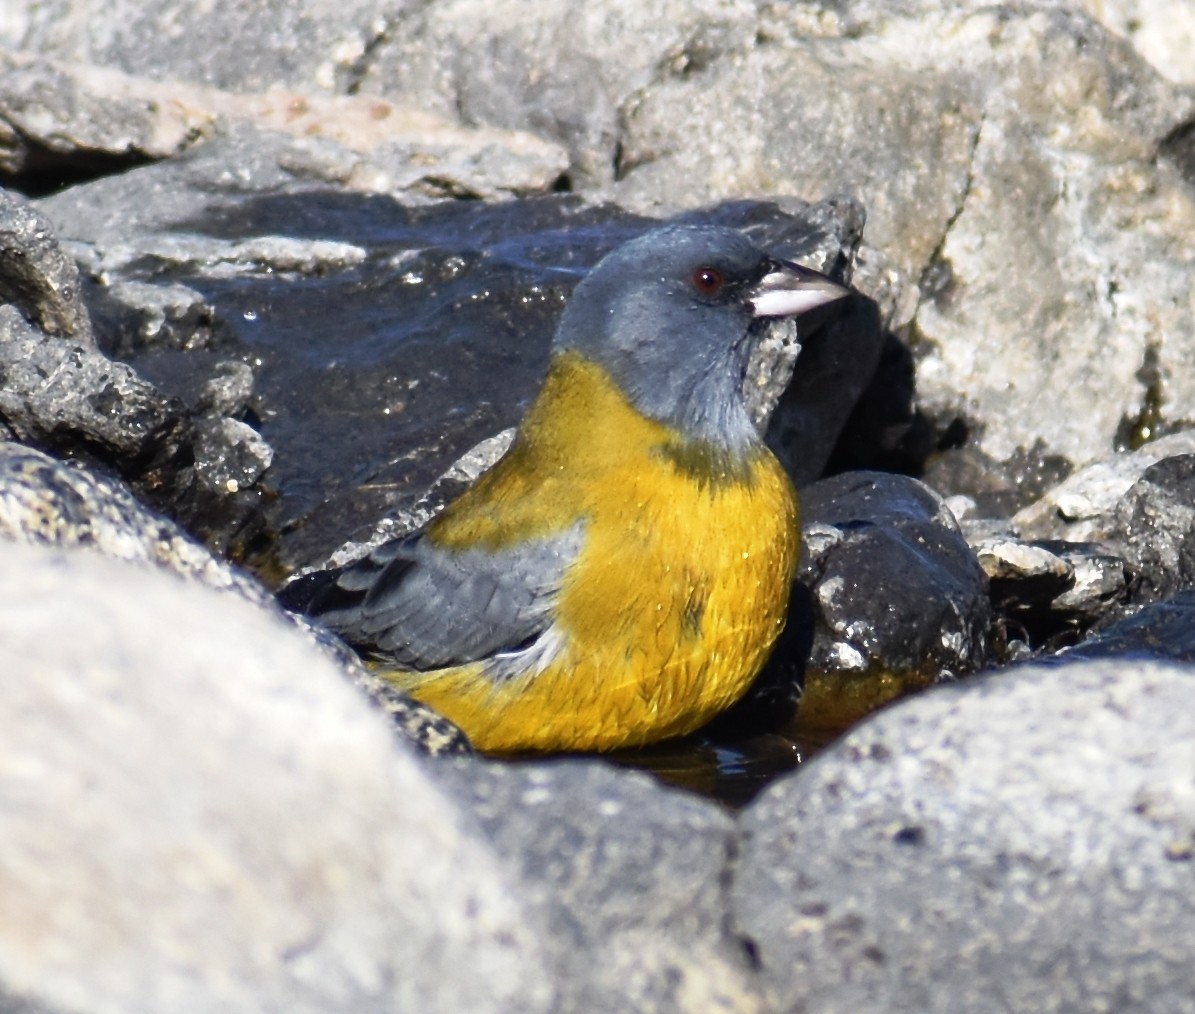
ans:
(708, 281)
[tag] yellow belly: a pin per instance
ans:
(671, 608)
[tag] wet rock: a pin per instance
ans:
(1019, 843)
(59, 392)
(1050, 587)
(1162, 630)
(895, 599)
(629, 877)
(1155, 524)
(1135, 504)
(200, 814)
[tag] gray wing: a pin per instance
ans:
(426, 607)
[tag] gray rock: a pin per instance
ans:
(92, 118)
(1162, 31)
(225, 43)
(1021, 843)
(630, 878)
(1060, 583)
(61, 392)
(73, 118)
(1007, 160)
(1155, 525)
(566, 69)
(1138, 505)
(199, 814)
(1079, 509)
(792, 118)
(52, 503)
(36, 277)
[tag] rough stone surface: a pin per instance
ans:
(1007, 157)
(199, 814)
(630, 876)
(1021, 843)
(58, 391)
(1162, 31)
(37, 278)
(225, 43)
(52, 503)
(1079, 509)
(566, 69)
(65, 120)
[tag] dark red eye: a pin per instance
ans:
(707, 281)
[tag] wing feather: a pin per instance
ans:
(424, 606)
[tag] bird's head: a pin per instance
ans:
(672, 317)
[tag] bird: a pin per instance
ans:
(619, 576)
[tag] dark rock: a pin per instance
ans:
(1023, 842)
(1155, 523)
(1049, 587)
(61, 393)
(36, 276)
(897, 600)
(1164, 631)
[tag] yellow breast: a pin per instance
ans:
(675, 600)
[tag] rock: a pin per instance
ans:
(200, 815)
(893, 596)
(1046, 588)
(1155, 523)
(629, 877)
(565, 70)
(62, 121)
(969, 132)
(79, 118)
(224, 44)
(792, 120)
(1010, 341)
(36, 277)
(1162, 630)
(1079, 508)
(60, 392)
(1138, 506)
(50, 503)
(1162, 31)
(1023, 842)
